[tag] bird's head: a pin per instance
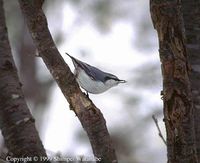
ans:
(112, 80)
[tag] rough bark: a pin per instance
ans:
(191, 16)
(177, 97)
(16, 122)
(89, 115)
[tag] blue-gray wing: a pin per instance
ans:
(92, 71)
(95, 73)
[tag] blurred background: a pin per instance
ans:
(116, 36)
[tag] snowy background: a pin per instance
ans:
(116, 36)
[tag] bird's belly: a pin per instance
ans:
(90, 85)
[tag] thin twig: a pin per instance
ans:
(159, 131)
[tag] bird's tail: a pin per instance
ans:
(75, 61)
(69, 55)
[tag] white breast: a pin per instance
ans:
(90, 85)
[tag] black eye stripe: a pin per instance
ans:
(108, 78)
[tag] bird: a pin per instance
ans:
(92, 79)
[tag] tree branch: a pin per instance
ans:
(89, 115)
(159, 131)
(16, 122)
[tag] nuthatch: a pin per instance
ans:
(92, 79)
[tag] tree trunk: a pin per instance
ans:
(16, 122)
(177, 97)
(191, 16)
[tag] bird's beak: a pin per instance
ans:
(122, 81)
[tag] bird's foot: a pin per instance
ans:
(86, 94)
